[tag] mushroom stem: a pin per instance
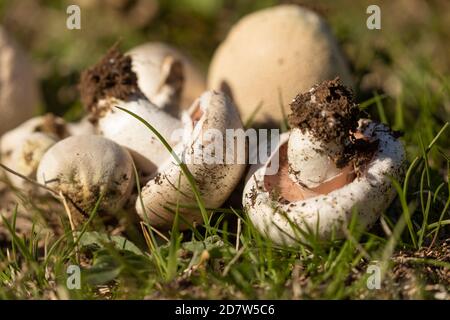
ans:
(310, 160)
(322, 141)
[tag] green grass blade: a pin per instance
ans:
(182, 165)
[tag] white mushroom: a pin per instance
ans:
(86, 167)
(205, 153)
(127, 131)
(280, 50)
(166, 76)
(83, 126)
(112, 83)
(308, 164)
(19, 94)
(287, 210)
(22, 148)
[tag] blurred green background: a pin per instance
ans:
(406, 62)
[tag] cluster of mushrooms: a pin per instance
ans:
(332, 163)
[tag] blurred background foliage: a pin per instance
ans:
(406, 63)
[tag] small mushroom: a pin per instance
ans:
(167, 77)
(19, 94)
(22, 148)
(275, 52)
(112, 83)
(85, 167)
(332, 163)
(216, 178)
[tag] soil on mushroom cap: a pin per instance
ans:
(53, 125)
(111, 77)
(329, 113)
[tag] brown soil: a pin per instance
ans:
(329, 113)
(175, 76)
(112, 77)
(53, 125)
(412, 277)
(411, 265)
(28, 215)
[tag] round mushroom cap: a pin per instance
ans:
(86, 167)
(22, 148)
(281, 50)
(215, 166)
(48, 124)
(19, 93)
(288, 218)
(148, 64)
(25, 157)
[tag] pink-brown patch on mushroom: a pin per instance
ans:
(282, 184)
(197, 113)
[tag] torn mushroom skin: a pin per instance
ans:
(332, 163)
(167, 77)
(212, 113)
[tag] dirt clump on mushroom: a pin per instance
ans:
(53, 125)
(329, 113)
(112, 76)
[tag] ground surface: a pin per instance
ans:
(403, 79)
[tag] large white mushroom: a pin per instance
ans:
(85, 167)
(277, 51)
(319, 196)
(19, 94)
(166, 76)
(215, 162)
